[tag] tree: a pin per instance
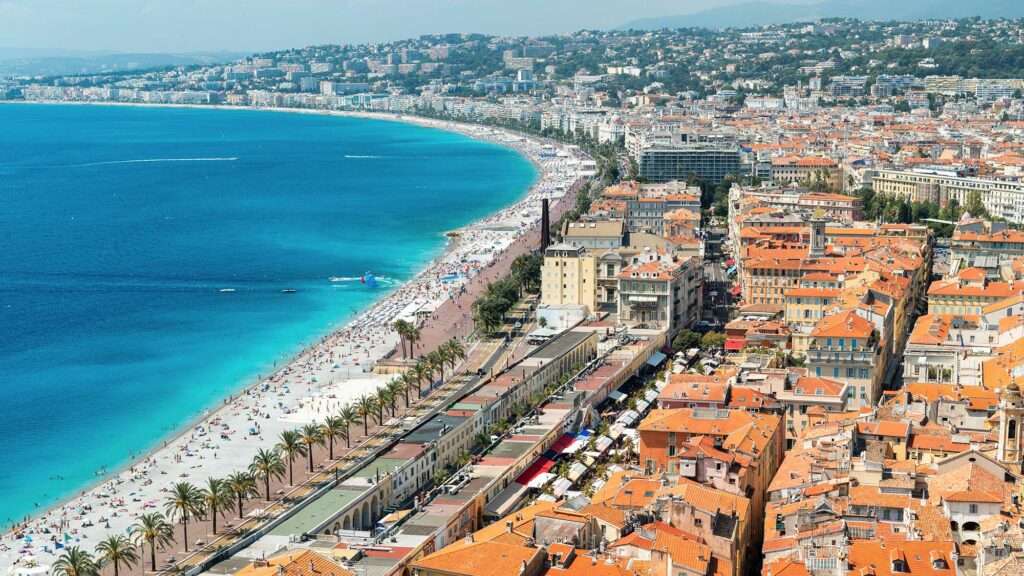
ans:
(333, 428)
(117, 550)
(403, 328)
(311, 435)
(290, 444)
(155, 530)
(685, 340)
(267, 464)
(349, 416)
(975, 206)
(366, 406)
(75, 562)
(242, 486)
(183, 501)
(420, 371)
(217, 497)
(385, 400)
(455, 351)
(408, 384)
(712, 340)
(436, 362)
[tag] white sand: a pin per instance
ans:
(318, 382)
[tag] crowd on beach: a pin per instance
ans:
(326, 375)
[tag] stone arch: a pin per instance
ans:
(365, 522)
(954, 526)
(337, 527)
(346, 524)
(374, 509)
(970, 527)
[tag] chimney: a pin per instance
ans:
(508, 526)
(545, 231)
(522, 567)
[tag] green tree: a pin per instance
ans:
(152, 529)
(184, 501)
(712, 340)
(117, 550)
(685, 340)
(242, 486)
(217, 497)
(311, 435)
(291, 446)
(75, 562)
(267, 464)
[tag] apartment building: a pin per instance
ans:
(569, 277)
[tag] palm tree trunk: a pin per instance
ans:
(330, 448)
(348, 435)
(291, 479)
(309, 453)
(366, 429)
(152, 555)
(116, 564)
(184, 525)
(266, 482)
(213, 511)
(239, 506)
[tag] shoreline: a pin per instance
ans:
(300, 405)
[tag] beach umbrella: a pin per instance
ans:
(28, 538)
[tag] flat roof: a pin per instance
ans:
(432, 430)
(561, 345)
(317, 511)
(384, 465)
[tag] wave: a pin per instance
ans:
(145, 160)
(361, 157)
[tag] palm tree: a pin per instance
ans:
(311, 435)
(456, 351)
(117, 550)
(408, 385)
(414, 336)
(436, 365)
(419, 371)
(242, 486)
(403, 328)
(75, 562)
(217, 497)
(349, 416)
(183, 501)
(384, 400)
(365, 406)
(463, 458)
(267, 464)
(333, 428)
(155, 530)
(292, 447)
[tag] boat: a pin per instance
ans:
(289, 291)
(226, 290)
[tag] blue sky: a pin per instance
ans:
(251, 25)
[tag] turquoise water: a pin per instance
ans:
(120, 227)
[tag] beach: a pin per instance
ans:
(325, 376)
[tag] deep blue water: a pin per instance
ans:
(113, 332)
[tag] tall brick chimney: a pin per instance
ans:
(545, 226)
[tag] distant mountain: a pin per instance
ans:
(34, 61)
(758, 12)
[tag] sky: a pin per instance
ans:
(255, 25)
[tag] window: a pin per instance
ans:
(973, 508)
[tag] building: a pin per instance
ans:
(569, 277)
(711, 162)
(659, 289)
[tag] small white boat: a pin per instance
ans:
(226, 290)
(289, 291)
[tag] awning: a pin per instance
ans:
(541, 466)
(737, 290)
(642, 405)
(616, 396)
(540, 480)
(734, 343)
(576, 471)
(562, 443)
(651, 396)
(656, 358)
(560, 486)
(730, 262)
(731, 269)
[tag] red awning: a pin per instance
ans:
(539, 467)
(734, 343)
(562, 443)
(730, 262)
(737, 290)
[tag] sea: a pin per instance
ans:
(144, 253)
